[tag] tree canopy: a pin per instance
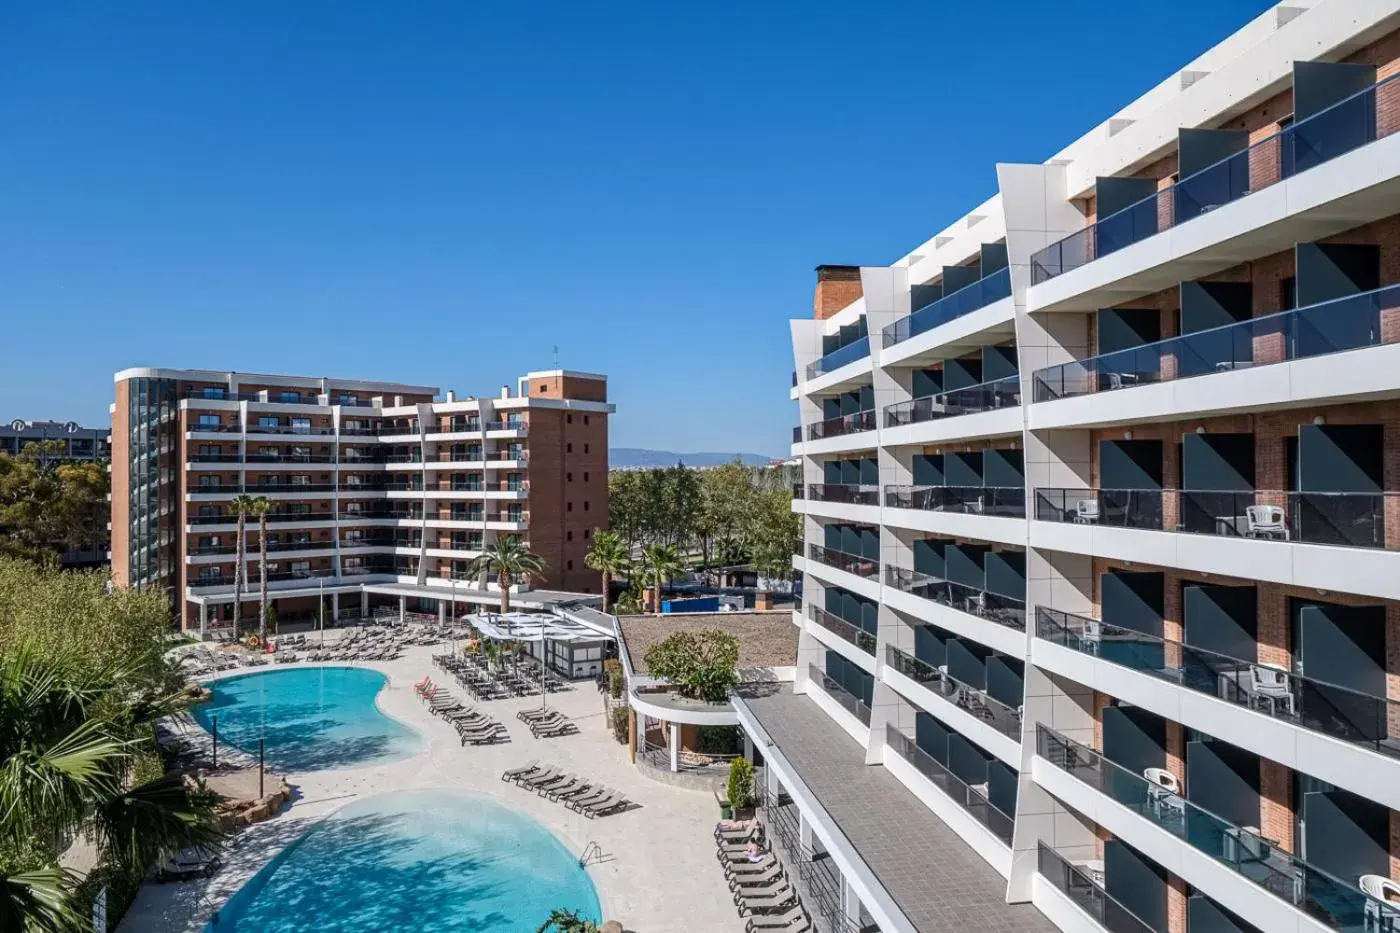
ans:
(702, 665)
(49, 505)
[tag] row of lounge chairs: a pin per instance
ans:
(582, 795)
(547, 723)
(341, 653)
(473, 726)
(761, 888)
(205, 661)
(477, 678)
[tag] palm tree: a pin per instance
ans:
(243, 506)
(68, 745)
(567, 921)
(260, 507)
(661, 563)
(610, 557)
(507, 558)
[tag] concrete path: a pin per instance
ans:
(660, 873)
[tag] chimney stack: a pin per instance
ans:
(837, 286)
(451, 395)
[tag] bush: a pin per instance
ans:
(720, 740)
(703, 664)
(612, 669)
(740, 787)
(619, 724)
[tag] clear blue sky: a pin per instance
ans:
(441, 192)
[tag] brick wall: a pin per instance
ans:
(837, 287)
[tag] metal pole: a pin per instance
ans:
(214, 727)
(544, 652)
(321, 585)
(260, 768)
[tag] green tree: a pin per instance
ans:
(703, 665)
(507, 559)
(567, 921)
(48, 505)
(607, 555)
(259, 508)
(661, 563)
(773, 533)
(243, 505)
(627, 505)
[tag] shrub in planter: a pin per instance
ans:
(619, 724)
(740, 787)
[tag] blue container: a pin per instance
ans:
(696, 604)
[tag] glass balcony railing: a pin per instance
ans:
(972, 799)
(1330, 900)
(797, 490)
(797, 434)
(214, 427)
(252, 522)
(855, 350)
(847, 493)
(1079, 886)
(845, 424)
(999, 393)
(994, 607)
(1338, 519)
(950, 307)
(1368, 115)
(1329, 327)
(854, 634)
(1003, 501)
(975, 701)
(300, 429)
(851, 563)
(1315, 705)
(834, 689)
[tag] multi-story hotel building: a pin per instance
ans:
(379, 491)
(68, 441)
(1102, 507)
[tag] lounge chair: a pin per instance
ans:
(600, 793)
(774, 902)
(772, 872)
(791, 921)
(611, 804)
(583, 790)
(533, 715)
(193, 862)
(775, 888)
(738, 835)
(515, 774)
(569, 788)
(559, 781)
(743, 868)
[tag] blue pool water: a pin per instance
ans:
(309, 718)
(415, 861)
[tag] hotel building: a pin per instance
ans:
(1102, 506)
(381, 493)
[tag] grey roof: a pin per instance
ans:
(766, 639)
(940, 883)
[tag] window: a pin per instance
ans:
(568, 448)
(208, 541)
(569, 565)
(208, 511)
(570, 507)
(209, 422)
(268, 421)
(568, 536)
(587, 533)
(1287, 294)
(208, 482)
(568, 477)
(568, 419)
(289, 396)
(212, 393)
(585, 476)
(302, 567)
(585, 419)
(207, 574)
(585, 505)
(301, 425)
(585, 448)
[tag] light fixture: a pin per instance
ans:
(1200, 429)
(1319, 420)
(1127, 435)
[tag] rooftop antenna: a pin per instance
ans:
(556, 356)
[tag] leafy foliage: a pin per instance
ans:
(660, 562)
(48, 505)
(740, 786)
(507, 559)
(609, 556)
(567, 921)
(703, 665)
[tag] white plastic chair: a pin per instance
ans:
(1265, 521)
(1086, 511)
(1164, 790)
(1270, 680)
(1382, 891)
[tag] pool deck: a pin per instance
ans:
(659, 873)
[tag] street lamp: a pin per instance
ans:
(544, 653)
(321, 608)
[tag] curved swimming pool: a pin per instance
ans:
(419, 860)
(309, 718)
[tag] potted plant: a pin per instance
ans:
(740, 789)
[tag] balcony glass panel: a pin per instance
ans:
(950, 307)
(973, 700)
(1340, 519)
(1330, 709)
(854, 634)
(1079, 886)
(855, 350)
(846, 493)
(971, 799)
(1346, 125)
(1337, 903)
(1003, 610)
(851, 563)
(833, 688)
(999, 393)
(1007, 501)
(846, 424)
(1347, 323)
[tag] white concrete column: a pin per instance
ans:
(442, 613)
(335, 607)
(203, 619)
(403, 607)
(850, 903)
(364, 604)
(675, 746)
(804, 831)
(748, 747)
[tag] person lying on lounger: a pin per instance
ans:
(753, 852)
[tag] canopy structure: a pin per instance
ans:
(531, 627)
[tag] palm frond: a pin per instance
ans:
(37, 902)
(147, 823)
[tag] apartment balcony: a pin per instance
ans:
(277, 581)
(1331, 731)
(852, 634)
(986, 710)
(1084, 888)
(856, 350)
(251, 551)
(839, 427)
(971, 799)
(281, 490)
(833, 689)
(300, 430)
(209, 461)
(1239, 366)
(984, 292)
(506, 429)
(1199, 843)
(845, 493)
(1005, 611)
(959, 511)
(505, 521)
(507, 459)
(866, 568)
(230, 522)
(985, 410)
(383, 515)
(1252, 200)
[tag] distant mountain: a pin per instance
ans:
(636, 457)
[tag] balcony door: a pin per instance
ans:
(1345, 646)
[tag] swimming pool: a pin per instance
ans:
(310, 718)
(419, 860)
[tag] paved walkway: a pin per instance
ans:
(937, 879)
(660, 876)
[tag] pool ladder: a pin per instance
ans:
(591, 853)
